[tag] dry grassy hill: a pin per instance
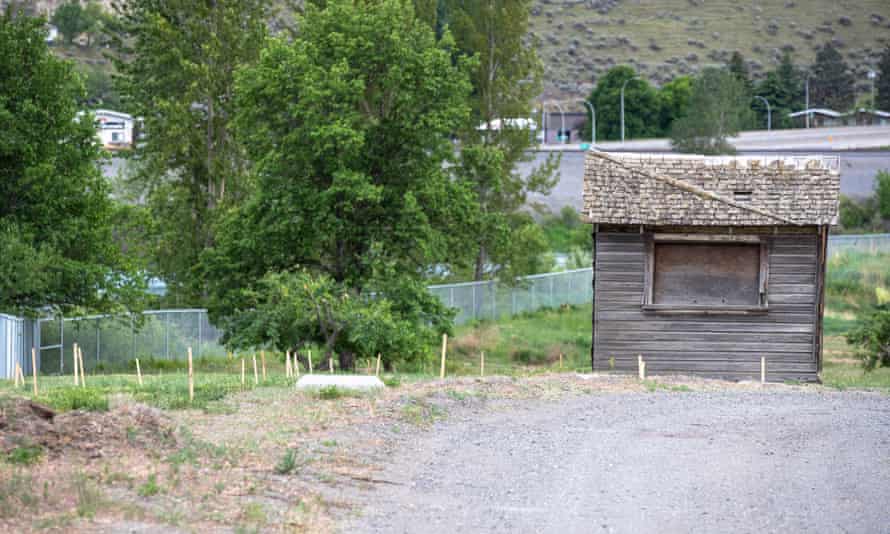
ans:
(581, 39)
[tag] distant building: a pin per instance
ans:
(115, 129)
(819, 117)
(867, 117)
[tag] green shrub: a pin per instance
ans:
(392, 381)
(530, 356)
(150, 487)
(882, 192)
(855, 215)
(872, 337)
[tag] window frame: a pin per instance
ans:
(651, 239)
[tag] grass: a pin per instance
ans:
(25, 455)
(150, 488)
(287, 463)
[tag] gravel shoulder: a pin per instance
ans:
(740, 459)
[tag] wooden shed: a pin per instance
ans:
(703, 265)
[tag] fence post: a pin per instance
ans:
(200, 320)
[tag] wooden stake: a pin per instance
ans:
(310, 361)
(256, 376)
(34, 368)
(640, 366)
(242, 372)
(763, 370)
(15, 375)
(21, 375)
(263, 358)
(296, 365)
(83, 373)
(74, 359)
(560, 360)
(331, 364)
(482, 364)
(377, 372)
(138, 372)
(444, 348)
(191, 378)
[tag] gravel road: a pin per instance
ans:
(778, 460)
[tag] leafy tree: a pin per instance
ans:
(177, 61)
(349, 127)
(783, 89)
(641, 112)
(882, 82)
(673, 101)
(55, 213)
(855, 215)
(505, 81)
(831, 83)
(721, 109)
(71, 20)
(882, 192)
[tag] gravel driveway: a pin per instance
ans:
(778, 460)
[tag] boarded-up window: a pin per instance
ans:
(706, 274)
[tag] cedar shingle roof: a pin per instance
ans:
(673, 189)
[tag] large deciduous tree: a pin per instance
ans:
(177, 60)
(505, 81)
(831, 82)
(55, 233)
(641, 109)
(720, 104)
(349, 127)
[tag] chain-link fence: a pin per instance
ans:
(493, 300)
(111, 341)
(868, 243)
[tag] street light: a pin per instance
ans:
(592, 121)
(769, 115)
(622, 104)
(562, 114)
(807, 97)
(871, 76)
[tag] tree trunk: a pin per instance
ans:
(480, 264)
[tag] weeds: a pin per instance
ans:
(287, 463)
(92, 399)
(25, 455)
(88, 496)
(150, 488)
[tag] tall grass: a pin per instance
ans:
(853, 280)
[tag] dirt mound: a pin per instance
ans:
(93, 434)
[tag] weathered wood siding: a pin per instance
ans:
(728, 346)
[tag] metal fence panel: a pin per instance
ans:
(868, 243)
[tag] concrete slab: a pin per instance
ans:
(356, 382)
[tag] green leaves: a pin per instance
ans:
(721, 105)
(55, 213)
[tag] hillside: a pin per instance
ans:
(581, 39)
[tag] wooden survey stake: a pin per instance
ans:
(242, 372)
(444, 348)
(74, 359)
(263, 359)
(310, 361)
(34, 368)
(256, 375)
(377, 372)
(138, 372)
(83, 373)
(191, 378)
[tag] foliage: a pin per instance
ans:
(641, 111)
(349, 127)
(90, 399)
(150, 488)
(783, 88)
(872, 336)
(25, 455)
(739, 69)
(882, 82)
(100, 89)
(721, 110)
(673, 101)
(71, 20)
(177, 61)
(567, 231)
(506, 79)
(831, 83)
(290, 309)
(854, 280)
(330, 393)
(882, 193)
(55, 213)
(287, 463)
(856, 215)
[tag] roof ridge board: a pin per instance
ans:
(686, 186)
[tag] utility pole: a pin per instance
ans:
(593, 120)
(807, 98)
(769, 115)
(622, 104)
